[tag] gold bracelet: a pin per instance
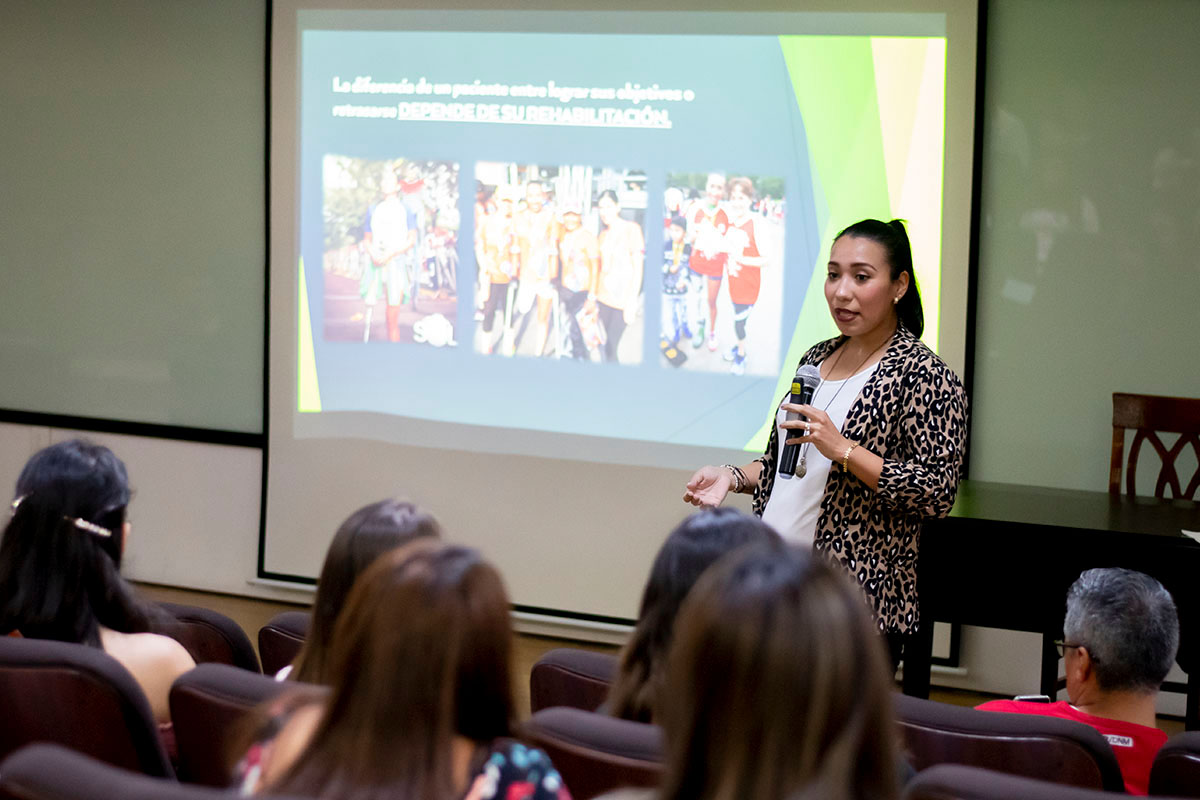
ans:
(846, 456)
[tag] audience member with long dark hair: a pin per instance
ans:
(363, 537)
(777, 685)
(690, 549)
(60, 562)
(420, 705)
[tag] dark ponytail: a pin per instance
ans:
(61, 551)
(893, 238)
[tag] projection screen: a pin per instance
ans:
(529, 268)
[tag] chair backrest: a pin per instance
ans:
(571, 677)
(209, 636)
(958, 782)
(596, 753)
(1034, 746)
(52, 772)
(280, 640)
(79, 697)
(1149, 415)
(209, 707)
(1176, 768)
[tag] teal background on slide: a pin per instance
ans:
(744, 120)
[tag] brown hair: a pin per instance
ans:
(777, 686)
(745, 184)
(420, 655)
(695, 544)
(363, 537)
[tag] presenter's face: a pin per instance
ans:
(859, 287)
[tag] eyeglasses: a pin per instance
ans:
(1063, 646)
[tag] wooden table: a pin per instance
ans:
(1006, 555)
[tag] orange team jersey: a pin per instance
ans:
(499, 246)
(622, 251)
(743, 287)
(537, 237)
(707, 228)
(580, 252)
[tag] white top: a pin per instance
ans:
(795, 502)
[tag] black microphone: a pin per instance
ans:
(803, 387)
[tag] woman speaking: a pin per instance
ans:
(881, 442)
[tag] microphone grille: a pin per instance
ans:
(808, 375)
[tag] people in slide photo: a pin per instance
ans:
(707, 223)
(579, 253)
(744, 266)
(537, 238)
(622, 259)
(676, 280)
(500, 261)
(391, 235)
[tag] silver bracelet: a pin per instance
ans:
(739, 478)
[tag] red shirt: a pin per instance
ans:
(1134, 745)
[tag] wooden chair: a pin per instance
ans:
(1150, 415)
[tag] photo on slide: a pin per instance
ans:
(560, 254)
(722, 272)
(390, 258)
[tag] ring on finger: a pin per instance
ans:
(806, 426)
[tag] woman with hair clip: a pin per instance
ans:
(777, 686)
(60, 566)
(420, 705)
(880, 443)
(694, 545)
(364, 536)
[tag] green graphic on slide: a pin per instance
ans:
(308, 392)
(838, 83)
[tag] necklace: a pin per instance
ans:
(803, 468)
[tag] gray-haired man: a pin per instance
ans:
(1120, 637)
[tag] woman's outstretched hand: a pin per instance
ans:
(708, 486)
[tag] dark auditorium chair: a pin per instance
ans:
(281, 639)
(209, 636)
(51, 772)
(958, 782)
(596, 753)
(79, 697)
(208, 706)
(1176, 769)
(571, 677)
(1046, 748)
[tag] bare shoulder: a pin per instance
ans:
(147, 652)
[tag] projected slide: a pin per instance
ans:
(608, 234)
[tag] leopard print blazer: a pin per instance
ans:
(912, 412)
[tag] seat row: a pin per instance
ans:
(44, 683)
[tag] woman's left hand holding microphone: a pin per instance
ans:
(818, 430)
